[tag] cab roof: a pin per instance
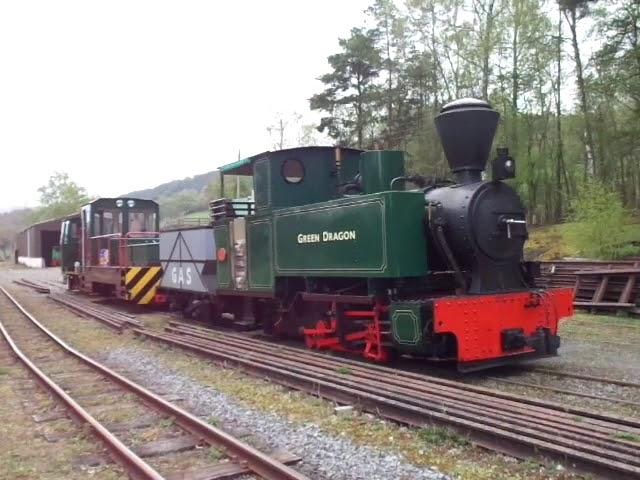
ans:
(245, 166)
(110, 201)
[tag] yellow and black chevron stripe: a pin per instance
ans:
(141, 283)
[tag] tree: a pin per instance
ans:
(391, 42)
(618, 93)
(574, 11)
(183, 203)
(602, 228)
(60, 196)
(351, 94)
(289, 131)
(486, 14)
(417, 55)
(560, 170)
(6, 243)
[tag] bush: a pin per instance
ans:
(603, 228)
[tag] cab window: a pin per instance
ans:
(73, 231)
(111, 222)
(142, 221)
(97, 225)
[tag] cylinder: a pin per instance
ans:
(378, 168)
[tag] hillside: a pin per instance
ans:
(197, 183)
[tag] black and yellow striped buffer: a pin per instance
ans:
(141, 283)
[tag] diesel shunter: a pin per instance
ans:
(111, 248)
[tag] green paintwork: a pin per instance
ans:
(379, 167)
(259, 247)
(221, 236)
(389, 237)
(349, 165)
(261, 181)
(69, 244)
(142, 252)
(325, 170)
(239, 167)
(406, 322)
(408, 319)
(320, 182)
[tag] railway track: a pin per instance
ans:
(89, 391)
(565, 391)
(37, 286)
(109, 317)
(119, 321)
(579, 376)
(585, 440)
(606, 445)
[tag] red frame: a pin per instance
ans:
(478, 321)
(324, 337)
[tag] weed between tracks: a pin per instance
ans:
(430, 446)
(627, 436)
(24, 452)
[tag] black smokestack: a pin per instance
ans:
(466, 128)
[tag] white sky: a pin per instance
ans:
(124, 95)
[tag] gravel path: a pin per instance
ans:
(324, 456)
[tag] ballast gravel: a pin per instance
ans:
(324, 456)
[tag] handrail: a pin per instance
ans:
(124, 243)
(230, 208)
(107, 235)
(127, 235)
(151, 234)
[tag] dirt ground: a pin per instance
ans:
(595, 345)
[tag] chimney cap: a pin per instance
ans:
(465, 103)
(466, 128)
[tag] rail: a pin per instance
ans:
(132, 463)
(256, 461)
(582, 439)
(520, 426)
(186, 223)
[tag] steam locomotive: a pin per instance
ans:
(342, 248)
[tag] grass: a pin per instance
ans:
(215, 455)
(167, 422)
(601, 329)
(344, 370)
(25, 454)
(626, 436)
(555, 242)
(439, 436)
(550, 243)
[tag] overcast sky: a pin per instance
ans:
(124, 95)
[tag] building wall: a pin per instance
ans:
(32, 262)
(29, 243)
